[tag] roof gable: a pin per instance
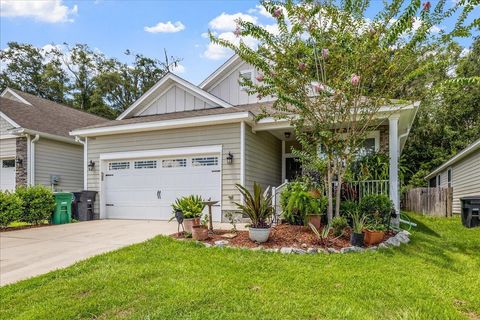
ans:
(172, 94)
(11, 94)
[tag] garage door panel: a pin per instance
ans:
(133, 193)
(7, 174)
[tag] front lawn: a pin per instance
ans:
(435, 277)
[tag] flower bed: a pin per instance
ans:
(287, 238)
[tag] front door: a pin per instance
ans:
(293, 168)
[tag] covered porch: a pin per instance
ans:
(388, 136)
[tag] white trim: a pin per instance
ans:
(450, 183)
(8, 136)
(177, 79)
(462, 154)
(227, 64)
(29, 158)
(394, 153)
(153, 100)
(85, 160)
(157, 153)
(9, 120)
(242, 153)
(45, 135)
(165, 124)
(16, 95)
(32, 159)
(284, 165)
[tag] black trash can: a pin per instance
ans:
(86, 205)
(75, 202)
(471, 211)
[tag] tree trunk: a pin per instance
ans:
(329, 194)
(338, 195)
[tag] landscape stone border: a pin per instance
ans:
(400, 237)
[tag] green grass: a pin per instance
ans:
(437, 276)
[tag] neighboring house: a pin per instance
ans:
(179, 139)
(461, 172)
(35, 145)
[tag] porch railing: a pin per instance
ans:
(276, 191)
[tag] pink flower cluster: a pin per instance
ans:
(355, 80)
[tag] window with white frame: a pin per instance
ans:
(145, 164)
(10, 163)
(439, 180)
(174, 163)
(121, 165)
(245, 75)
(204, 161)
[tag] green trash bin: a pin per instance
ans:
(63, 209)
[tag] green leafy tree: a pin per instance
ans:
(330, 65)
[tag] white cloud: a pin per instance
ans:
(260, 10)
(165, 27)
(217, 52)
(465, 52)
(51, 11)
(227, 22)
(179, 68)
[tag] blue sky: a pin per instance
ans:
(145, 27)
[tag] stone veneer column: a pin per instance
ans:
(21, 178)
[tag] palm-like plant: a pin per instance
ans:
(192, 206)
(257, 206)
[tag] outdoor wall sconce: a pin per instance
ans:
(230, 158)
(19, 162)
(287, 135)
(91, 165)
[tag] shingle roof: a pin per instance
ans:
(254, 108)
(46, 116)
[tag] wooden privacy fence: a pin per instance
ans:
(430, 201)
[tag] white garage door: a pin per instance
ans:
(7, 174)
(146, 188)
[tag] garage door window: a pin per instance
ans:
(147, 164)
(119, 165)
(174, 163)
(8, 163)
(204, 161)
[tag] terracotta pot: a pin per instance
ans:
(199, 233)
(315, 193)
(315, 219)
(259, 235)
(189, 223)
(357, 239)
(373, 237)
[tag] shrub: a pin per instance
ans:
(192, 206)
(377, 209)
(38, 203)
(338, 225)
(348, 207)
(297, 200)
(11, 207)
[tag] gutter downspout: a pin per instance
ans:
(32, 159)
(29, 156)
(85, 151)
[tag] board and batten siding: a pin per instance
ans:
(176, 99)
(4, 126)
(229, 89)
(8, 148)
(227, 135)
(465, 178)
(263, 159)
(60, 159)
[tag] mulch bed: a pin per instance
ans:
(283, 235)
(7, 229)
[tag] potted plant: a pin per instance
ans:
(357, 237)
(374, 233)
(302, 208)
(192, 207)
(258, 207)
(200, 232)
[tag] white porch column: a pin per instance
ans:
(394, 152)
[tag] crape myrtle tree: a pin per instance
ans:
(332, 70)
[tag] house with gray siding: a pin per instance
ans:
(461, 172)
(180, 139)
(35, 145)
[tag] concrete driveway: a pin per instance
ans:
(31, 252)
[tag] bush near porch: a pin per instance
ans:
(435, 276)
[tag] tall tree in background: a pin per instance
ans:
(449, 119)
(332, 69)
(80, 76)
